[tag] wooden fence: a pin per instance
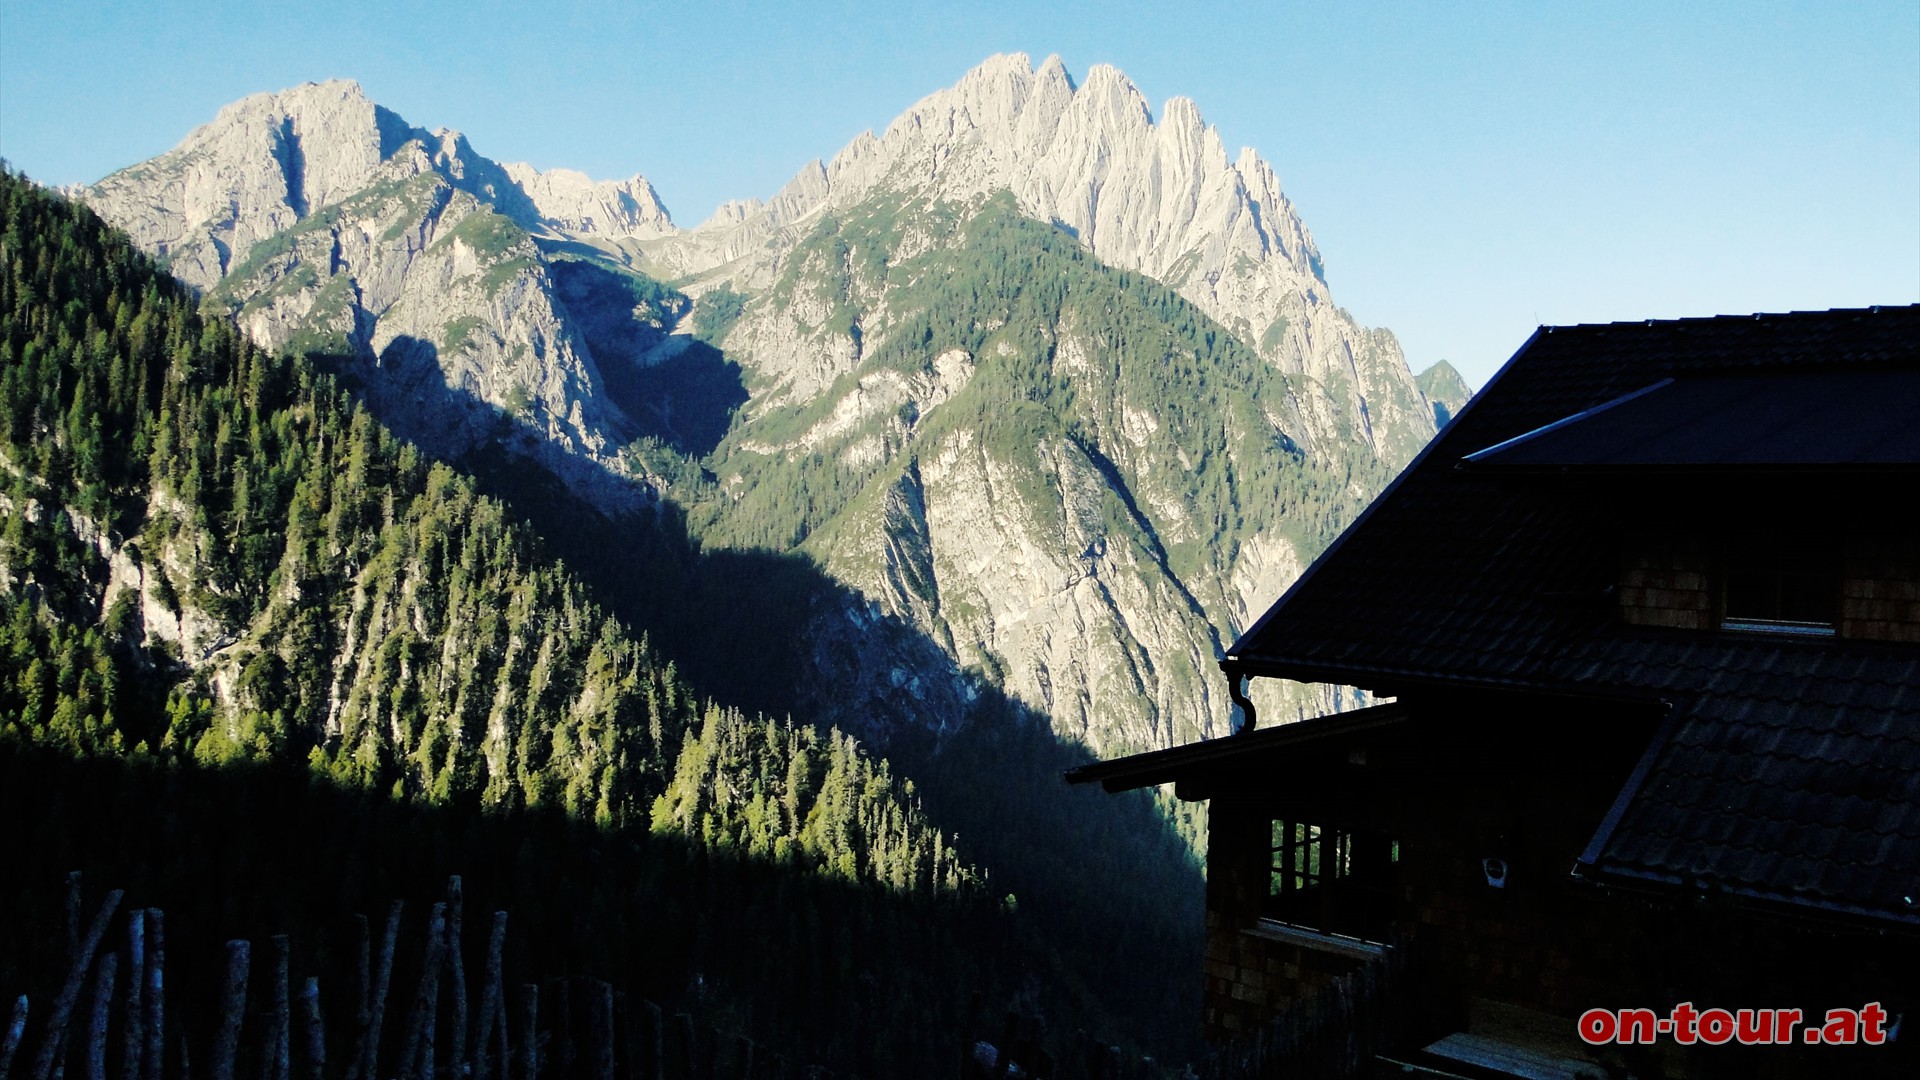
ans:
(269, 1026)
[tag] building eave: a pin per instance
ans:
(1174, 764)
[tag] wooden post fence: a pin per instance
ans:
(591, 1030)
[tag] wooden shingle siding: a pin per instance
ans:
(1670, 581)
(1880, 596)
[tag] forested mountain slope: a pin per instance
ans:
(214, 558)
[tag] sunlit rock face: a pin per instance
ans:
(1081, 571)
(327, 223)
(1162, 198)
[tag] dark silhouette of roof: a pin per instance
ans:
(1772, 419)
(1789, 769)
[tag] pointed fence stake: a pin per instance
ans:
(426, 1044)
(103, 977)
(502, 1038)
(279, 1044)
(134, 1041)
(156, 1019)
(530, 1032)
(16, 1030)
(456, 978)
(316, 1029)
(233, 1010)
(377, 1010)
(490, 1001)
(427, 997)
(73, 916)
(363, 992)
(79, 959)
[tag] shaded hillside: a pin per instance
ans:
(214, 560)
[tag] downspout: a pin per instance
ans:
(1237, 681)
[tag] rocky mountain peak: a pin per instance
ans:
(263, 163)
(572, 202)
(1155, 197)
(269, 161)
(1109, 91)
(1445, 389)
(1161, 197)
(327, 223)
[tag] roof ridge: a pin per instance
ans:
(1729, 319)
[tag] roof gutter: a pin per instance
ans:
(1829, 915)
(1397, 679)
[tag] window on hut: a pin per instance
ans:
(1332, 880)
(1781, 583)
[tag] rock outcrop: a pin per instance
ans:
(1445, 390)
(571, 202)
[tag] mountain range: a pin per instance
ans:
(1056, 386)
(813, 541)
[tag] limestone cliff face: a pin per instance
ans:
(259, 167)
(1162, 198)
(268, 161)
(1068, 599)
(571, 202)
(327, 223)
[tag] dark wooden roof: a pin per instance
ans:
(1791, 770)
(1774, 418)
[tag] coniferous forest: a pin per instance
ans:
(269, 669)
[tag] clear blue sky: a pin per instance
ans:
(1469, 170)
